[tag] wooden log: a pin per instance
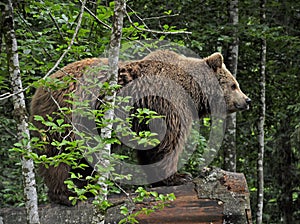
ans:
(216, 196)
(187, 208)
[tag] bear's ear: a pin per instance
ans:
(215, 61)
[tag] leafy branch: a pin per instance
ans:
(96, 18)
(71, 42)
(155, 31)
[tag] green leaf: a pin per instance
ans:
(38, 118)
(154, 193)
(60, 121)
(124, 210)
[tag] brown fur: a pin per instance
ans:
(152, 75)
(235, 99)
(46, 102)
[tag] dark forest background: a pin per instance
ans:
(44, 29)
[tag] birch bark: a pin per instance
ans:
(20, 114)
(114, 50)
(229, 144)
(261, 122)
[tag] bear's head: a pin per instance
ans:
(235, 99)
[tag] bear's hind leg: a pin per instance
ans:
(54, 178)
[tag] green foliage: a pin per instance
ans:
(197, 145)
(73, 149)
(44, 29)
(157, 202)
(208, 22)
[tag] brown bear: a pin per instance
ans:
(178, 88)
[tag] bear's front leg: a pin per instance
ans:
(169, 170)
(161, 168)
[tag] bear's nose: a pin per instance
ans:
(248, 101)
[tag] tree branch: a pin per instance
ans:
(161, 17)
(30, 30)
(8, 130)
(8, 95)
(72, 40)
(96, 18)
(56, 25)
(155, 31)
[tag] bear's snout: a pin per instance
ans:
(243, 105)
(248, 101)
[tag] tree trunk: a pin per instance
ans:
(20, 115)
(261, 138)
(285, 172)
(229, 145)
(261, 121)
(114, 50)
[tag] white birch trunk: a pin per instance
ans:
(20, 116)
(114, 50)
(229, 144)
(261, 122)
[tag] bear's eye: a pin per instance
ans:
(233, 86)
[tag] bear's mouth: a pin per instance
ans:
(241, 107)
